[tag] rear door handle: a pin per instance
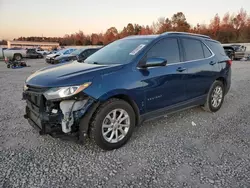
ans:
(212, 63)
(181, 69)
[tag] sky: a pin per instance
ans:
(60, 17)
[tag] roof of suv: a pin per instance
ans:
(168, 33)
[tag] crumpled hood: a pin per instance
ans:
(68, 74)
(52, 55)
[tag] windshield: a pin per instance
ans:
(61, 52)
(118, 52)
(77, 52)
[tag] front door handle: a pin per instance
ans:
(212, 63)
(181, 69)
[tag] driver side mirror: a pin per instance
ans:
(154, 62)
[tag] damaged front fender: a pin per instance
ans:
(73, 111)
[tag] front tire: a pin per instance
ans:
(112, 124)
(215, 97)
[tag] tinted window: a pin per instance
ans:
(216, 47)
(122, 51)
(207, 52)
(193, 49)
(77, 52)
(167, 49)
(84, 53)
(30, 50)
(92, 51)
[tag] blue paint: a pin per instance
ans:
(151, 89)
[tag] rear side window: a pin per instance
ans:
(193, 49)
(166, 48)
(216, 47)
(207, 52)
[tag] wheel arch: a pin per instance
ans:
(223, 80)
(17, 54)
(132, 103)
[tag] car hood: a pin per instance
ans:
(52, 55)
(68, 74)
(64, 56)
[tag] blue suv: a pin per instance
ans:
(131, 80)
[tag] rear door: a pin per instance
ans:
(202, 67)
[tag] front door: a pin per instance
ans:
(165, 85)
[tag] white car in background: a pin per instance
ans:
(41, 51)
(14, 53)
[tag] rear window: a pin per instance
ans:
(216, 47)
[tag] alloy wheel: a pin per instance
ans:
(217, 96)
(115, 125)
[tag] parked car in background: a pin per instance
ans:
(51, 57)
(130, 80)
(15, 53)
(1, 53)
(229, 50)
(239, 51)
(52, 52)
(32, 53)
(41, 51)
(79, 54)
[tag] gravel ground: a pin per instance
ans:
(214, 151)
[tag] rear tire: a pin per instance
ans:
(215, 97)
(112, 124)
(17, 57)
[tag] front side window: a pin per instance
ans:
(166, 48)
(119, 52)
(193, 49)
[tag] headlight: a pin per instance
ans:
(61, 92)
(25, 87)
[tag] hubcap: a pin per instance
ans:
(217, 96)
(115, 125)
(18, 57)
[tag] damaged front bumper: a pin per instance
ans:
(67, 117)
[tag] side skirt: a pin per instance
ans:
(173, 108)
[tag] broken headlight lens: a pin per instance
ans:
(25, 87)
(61, 92)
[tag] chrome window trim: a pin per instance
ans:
(190, 61)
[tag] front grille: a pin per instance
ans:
(37, 89)
(35, 99)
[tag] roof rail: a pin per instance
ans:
(185, 33)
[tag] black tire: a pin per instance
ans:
(17, 57)
(8, 66)
(98, 118)
(208, 106)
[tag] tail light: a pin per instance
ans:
(229, 62)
